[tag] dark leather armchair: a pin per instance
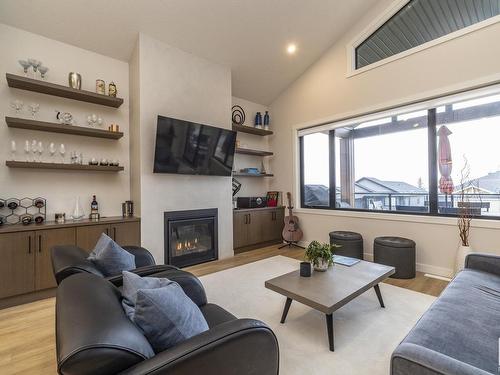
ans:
(94, 336)
(68, 260)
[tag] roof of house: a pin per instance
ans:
(374, 185)
(489, 183)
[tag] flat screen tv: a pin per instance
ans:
(185, 147)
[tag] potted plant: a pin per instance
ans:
(320, 255)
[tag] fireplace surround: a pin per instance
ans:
(190, 237)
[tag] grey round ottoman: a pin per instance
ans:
(397, 252)
(351, 242)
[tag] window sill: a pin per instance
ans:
(423, 219)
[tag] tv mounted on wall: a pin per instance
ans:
(185, 147)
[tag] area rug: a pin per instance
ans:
(365, 334)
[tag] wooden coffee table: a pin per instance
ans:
(329, 291)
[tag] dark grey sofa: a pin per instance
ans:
(460, 332)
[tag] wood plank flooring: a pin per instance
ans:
(27, 343)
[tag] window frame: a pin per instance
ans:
(432, 149)
(394, 8)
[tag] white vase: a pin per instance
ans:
(462, 253)
(78, 212)
(322, 265)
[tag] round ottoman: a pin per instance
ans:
(351, 242)
(397, 252)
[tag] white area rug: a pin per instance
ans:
(365, 334)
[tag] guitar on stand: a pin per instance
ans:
(292, 234)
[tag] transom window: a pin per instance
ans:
(431, 158)
(419, 22)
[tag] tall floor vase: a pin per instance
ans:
(462, 253)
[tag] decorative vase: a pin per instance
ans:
(75, 80)
(78, 212)
(462, 253)
(322, 265)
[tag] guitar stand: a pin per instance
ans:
(291, 244)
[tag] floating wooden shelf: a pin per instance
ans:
(239, 174)
(248, 151)
(74, 167)
(43, 87)
(251, 130)
(22, 123)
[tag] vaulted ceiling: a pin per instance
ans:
(249, 36)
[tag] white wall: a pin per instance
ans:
(252, 186)
(177, 84)
(61, 187)
(325, 92)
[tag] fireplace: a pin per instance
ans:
(191, 237)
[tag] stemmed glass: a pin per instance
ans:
(62, 151)
(34, 108)
(52, 151)
(43, 70)
(34, 151)
(13, 149)
(25, 64)
(27, 150)
(35, 64)
(17, 105)
(40, 151)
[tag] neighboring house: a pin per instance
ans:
(482, 192)
(374, 194)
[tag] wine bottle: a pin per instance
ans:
(2, 204)
(39, 218)
(94, 206)
(12, 204)
(39, 203)
(3, 220)
(26, 219)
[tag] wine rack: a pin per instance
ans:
(25, 210)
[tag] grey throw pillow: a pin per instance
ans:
(110, 258)
(132, 283)
(167, 316)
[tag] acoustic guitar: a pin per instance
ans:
(291, 232)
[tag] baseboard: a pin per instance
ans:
(421, 267)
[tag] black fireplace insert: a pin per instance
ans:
(191, 237)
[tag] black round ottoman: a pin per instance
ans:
(397, 252)
(351, 242)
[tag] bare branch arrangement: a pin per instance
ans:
(465, 211)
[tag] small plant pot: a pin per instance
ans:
(322, 265)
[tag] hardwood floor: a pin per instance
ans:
(27, 343)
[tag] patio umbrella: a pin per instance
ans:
(445, 162)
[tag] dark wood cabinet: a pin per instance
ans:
(126, 234)
(17, 268)
(44, 241)
(26, 267)
(253, 228)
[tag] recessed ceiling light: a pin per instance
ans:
(291, 48)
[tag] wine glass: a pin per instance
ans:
(34, 149)
(35, 64)
(62, 151)
(26, 65)
(52, 151)
(34, 108)
(27, 150)
(43, 70)
(17, 105)
(40, 151)
(13, 149)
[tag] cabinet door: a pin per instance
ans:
(268, 223)
(45, 240)
(279, 216)
(126, 234)
(87, 236)
(240, 229)
(257, 220)
(17, 265)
